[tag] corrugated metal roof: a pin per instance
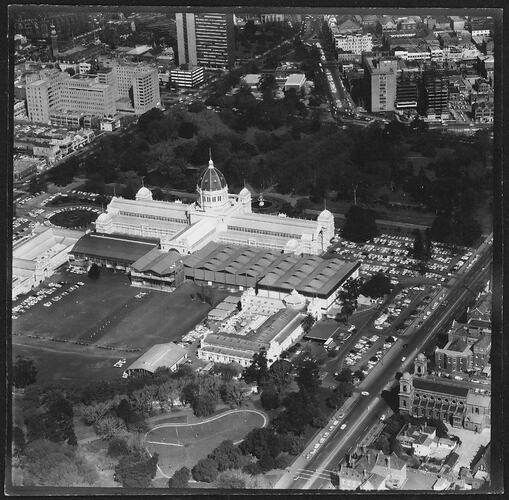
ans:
(159, 355)
(113, 247)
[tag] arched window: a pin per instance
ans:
(405, 388)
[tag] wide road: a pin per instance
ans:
(365, 410)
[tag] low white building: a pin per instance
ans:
(276, 334)
(295, 81)
(37, 258)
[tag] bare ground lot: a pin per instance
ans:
(109, 309)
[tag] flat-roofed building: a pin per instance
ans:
(36, 258)
(206, 39)
(187, 76)
(168, 355)
(24, 170)
(295, 81)
(276, 334)
(381, 75)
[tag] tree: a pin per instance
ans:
(269, 399)
(261, 441)
(308, 375)
(307, 323)
(46, 463)
(376, 286)
(280, 374)
(205, 471)
(227, 456)
(257, 371)
(267, 462)
(36, 185)
(440, 426)
(360, 224)
(24, 372)
(109, 427)
(117, 447)
(136, 470)
(335, 400)
(359, 374)
(58, 419)
(382, 443)
(292, 444)
(180, 478)
(345, 375)
(94, 272)
(204, 405)
(232, 393)
(231, 480)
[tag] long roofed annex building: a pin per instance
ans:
(216, 216)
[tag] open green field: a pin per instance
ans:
(181, 445)
(106, 313)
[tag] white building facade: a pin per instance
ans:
(216, 216)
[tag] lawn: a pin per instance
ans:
(107, 312)
(185, 444)
(103, 313)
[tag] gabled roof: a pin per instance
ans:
(157, 261)
(113, 247)
(159, 355)
(439, 387)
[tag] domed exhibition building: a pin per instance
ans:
(215, 240)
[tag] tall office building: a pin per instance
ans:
(44, 93)
(140, 83)
(381, 83)
(407, 92)
(436, 92)
(205, 39)
(84, 94)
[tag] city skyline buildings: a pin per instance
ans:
(205, 39)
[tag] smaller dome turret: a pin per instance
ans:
(325, 215)
(144, 194)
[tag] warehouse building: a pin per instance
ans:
(168, 355)
(271, 274)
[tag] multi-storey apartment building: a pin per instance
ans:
(140, 81)
(44, 91)
(381, 75)
(205, 39)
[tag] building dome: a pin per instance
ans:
(294, 300)
(406, 376)
(102, 218)
(245, 192)
(144, 194)
(325, 215)
(212, 179)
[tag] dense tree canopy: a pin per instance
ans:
(24, 372)
(376, 286)
(360, 224)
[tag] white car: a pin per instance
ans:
(343, 426)
(403, 358)
(365, 393)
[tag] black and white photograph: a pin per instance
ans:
(254, 248)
